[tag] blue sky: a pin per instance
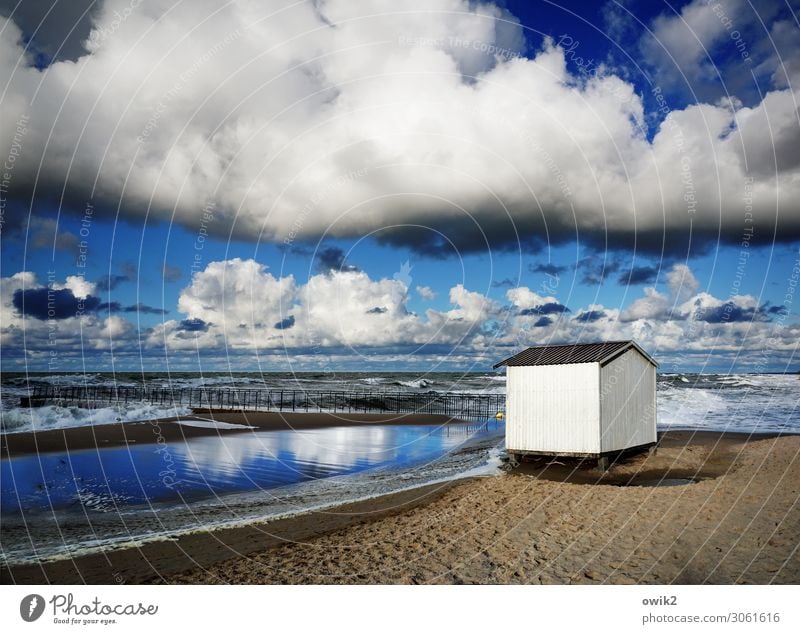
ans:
(485, 178)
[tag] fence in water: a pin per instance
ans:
(460, 405)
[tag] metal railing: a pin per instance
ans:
(474, 405)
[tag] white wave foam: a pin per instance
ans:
(416, 384)
(206, 381)
(681, 407)
(373, 380)
(25, 419)
(211, 424)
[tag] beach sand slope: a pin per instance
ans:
(545, 522)
(739, 524)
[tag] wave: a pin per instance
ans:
(205, 381)
(57, 379)
(23, 419)
(729, 407)
(416, 384)
(373, 380)
(710, 401)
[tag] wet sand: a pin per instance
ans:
(169, 429)
(546, 522)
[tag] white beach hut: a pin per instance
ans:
(589, 400)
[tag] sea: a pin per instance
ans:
(62, 504)
(721, 402)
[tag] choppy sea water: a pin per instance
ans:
(723, 402)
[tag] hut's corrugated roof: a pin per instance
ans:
(601, 352)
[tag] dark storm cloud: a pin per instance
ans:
(61, 302)
(596, 268)
(444, 238)
(193, 325)
(542, 322)
(44, 303)
(110, 282)
(54, 30)
(638, 275)
(731, 312)
(549, 268)
(286, 323)
(551, 308)
(144, 309)
(333, 259)
(590, 316)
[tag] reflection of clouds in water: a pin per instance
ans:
(338, 446)
(370, 445)
(335, 449)
(212, 424)
(219, 455)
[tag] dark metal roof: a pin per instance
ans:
(602, 352)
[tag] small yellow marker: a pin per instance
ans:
(499, 416)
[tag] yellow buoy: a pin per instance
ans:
(499, 416)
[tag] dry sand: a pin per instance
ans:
(542, 523)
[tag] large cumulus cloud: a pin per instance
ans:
(298, 119)
(238, 310)
(244, 308)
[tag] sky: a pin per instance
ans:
(426, 186)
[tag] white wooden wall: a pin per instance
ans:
(553, 408)
(627, 402)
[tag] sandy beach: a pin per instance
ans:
(546, 522)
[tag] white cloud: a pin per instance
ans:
(348, 309)
(80, 287)
(55, 341)
(114, 327)
(237, 293)
(235, 308)
(9, 318)
(681, 281)
(426, 293)
(295, 127)
(244, 306)
(653, 305)
(522, 297)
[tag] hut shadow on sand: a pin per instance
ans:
(679, 458)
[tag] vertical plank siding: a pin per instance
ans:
(627, 402)
(581, 408)
(553, 408)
